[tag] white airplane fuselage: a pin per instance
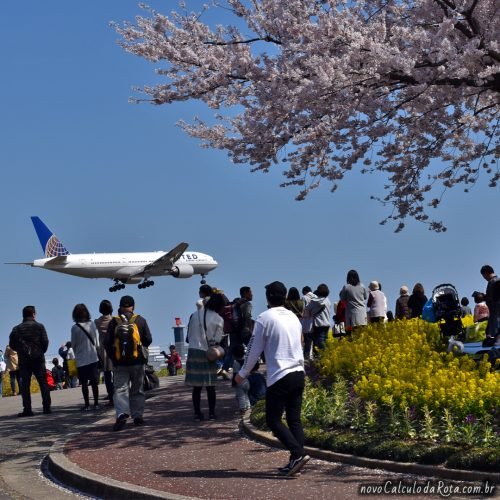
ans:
(126, 267)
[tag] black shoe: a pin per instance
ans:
(47, 411)
(138, 421)
(212, 416)
(120, 422)
(85, 408)
(294, 466)
(26, 413)
(199, 416)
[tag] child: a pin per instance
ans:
(174, 362)
(58, 374)
(481, 311)
(241, 390)
(257, 383)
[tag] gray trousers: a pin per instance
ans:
(129, 390)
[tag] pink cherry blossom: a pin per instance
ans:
(317, 88)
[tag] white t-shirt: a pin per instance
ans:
(277, 333)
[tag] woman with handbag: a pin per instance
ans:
(205, 330)
(85, 342)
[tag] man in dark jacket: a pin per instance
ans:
(492, 301)
(128, 374)
(29, 339)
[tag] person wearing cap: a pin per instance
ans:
(277, 333)
(402, 309)
(128, 376)
(376, 303)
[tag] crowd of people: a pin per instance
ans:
(223, 337)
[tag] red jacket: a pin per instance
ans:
(174, 359)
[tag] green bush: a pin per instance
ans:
(487, 460)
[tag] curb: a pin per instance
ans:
(88, 482)
(373, 463)
(73, 476)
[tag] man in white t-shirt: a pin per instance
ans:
(277, 333)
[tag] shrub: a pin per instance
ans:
(477, 459)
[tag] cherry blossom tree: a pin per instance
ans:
(409, 88)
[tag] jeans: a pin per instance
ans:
(172, 370)
(285, 395)
(257, 388)
(36, 368)
(242, 395)
(319, 335)
(129, 395)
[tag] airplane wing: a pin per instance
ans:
(19, 263)
(166, 261)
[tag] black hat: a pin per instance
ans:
(206, 290)
(276, 289)
(476, 293)
(127, 301)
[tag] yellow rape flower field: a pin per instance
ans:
(405, 362)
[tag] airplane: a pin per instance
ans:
(122, 268)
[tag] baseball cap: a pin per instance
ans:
(127, 301)
(276, 289)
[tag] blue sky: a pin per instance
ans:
(106, 175)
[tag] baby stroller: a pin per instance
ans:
(448, 313)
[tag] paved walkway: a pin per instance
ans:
(171, 454)
(209, 459)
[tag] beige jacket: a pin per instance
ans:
(11, 359)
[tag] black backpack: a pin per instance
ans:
(151, 380)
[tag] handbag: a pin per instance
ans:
(100, 364)
(144, 353)
(215, 351)
(72, 369)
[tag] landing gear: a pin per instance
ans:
(117, 286)
(145, 284)
(203, 280)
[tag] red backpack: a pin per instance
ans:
(50, 380)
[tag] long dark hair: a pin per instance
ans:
(353, 278)
(81, 313)
(293, 294)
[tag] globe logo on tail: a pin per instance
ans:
(54, 247)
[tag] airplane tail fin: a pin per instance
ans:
(51, 246)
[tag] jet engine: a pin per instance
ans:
(182, 271)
